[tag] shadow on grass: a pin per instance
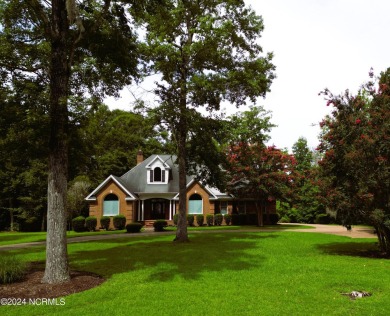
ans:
(164, 260)
(15, 238)
(367, 249)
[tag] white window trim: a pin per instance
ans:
(158, 182)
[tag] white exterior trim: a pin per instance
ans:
(92, 197)
(206, 188)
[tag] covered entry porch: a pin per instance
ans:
(151, 209)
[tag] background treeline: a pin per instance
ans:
(102, 142)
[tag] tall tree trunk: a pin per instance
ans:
(181, 232)
(57, 270)
(259, 209)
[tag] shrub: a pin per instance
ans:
(209, 219)
(78, 224)
(285, 219)
(91, 223)
(133, 227)
(119, 221)
(159, 225)
(200, 219)
(105, 222)
(250, 219)
(273, 219)
(218, 218)
(240, 219)
(235, 219)
(175, 219)
(190, 219)
(323, 219)
(11, 269)
(228, 219)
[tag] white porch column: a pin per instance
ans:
(139, 211)
(170, 210)
(142, 210)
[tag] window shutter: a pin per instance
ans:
(162, 175)
(151, 176)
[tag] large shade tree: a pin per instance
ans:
(254, 170)
(356, 147)
(72, 48)
(260, 173)
(205, 52)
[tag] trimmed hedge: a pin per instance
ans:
(134, 227)
(251, 219)
(200, 219)
(239, 219)
(119, 221)
(218, 218)
(159, 225)
(91, 223)
(228, 219)
(190, 219)
(210, 219)
(78, 224)
(105, 222)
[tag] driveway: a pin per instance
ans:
(355, 232)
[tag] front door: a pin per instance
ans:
(158, 209)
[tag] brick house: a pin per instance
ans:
(150, 191)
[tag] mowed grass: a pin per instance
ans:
(11, 238)
(224, 273)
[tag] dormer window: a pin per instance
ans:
(157, 175)
(158, 171)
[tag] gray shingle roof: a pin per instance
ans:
(135, 179)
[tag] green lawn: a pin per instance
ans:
(234, 273)
(10, 238)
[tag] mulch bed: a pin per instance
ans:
(31, 286)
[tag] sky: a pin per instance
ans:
(317, 44)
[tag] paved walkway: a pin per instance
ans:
(356, 232)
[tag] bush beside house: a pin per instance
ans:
(105, 222)
(119, 222)
(159, 225)
(200, 219)
(91, 223)
(134, 227)
(78, 224)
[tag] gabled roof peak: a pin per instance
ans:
(157, 158)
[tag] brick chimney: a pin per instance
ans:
(140, 157)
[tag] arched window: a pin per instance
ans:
(157, 174)
(195, 204)
(110, 205)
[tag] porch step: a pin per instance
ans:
(148, 223)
